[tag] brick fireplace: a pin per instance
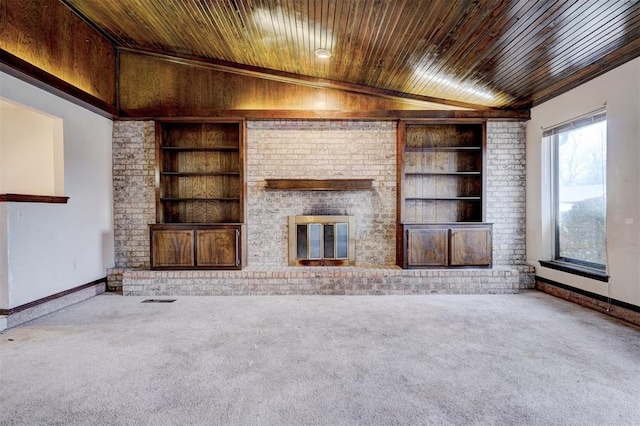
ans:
(318, 149)
(321, 150)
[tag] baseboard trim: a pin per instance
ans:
(613, 307)
(4, 312)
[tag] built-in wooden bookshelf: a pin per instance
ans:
(442, 173)
(441, 186)
(200, 181)
(200, 173)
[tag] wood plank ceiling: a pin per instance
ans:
(479, 53)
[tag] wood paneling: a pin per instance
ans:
(499, 53)
(438, 135)
(50, 37)
(37, 77)
(152, 86)
(402, 55)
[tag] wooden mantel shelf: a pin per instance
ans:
(319, 184)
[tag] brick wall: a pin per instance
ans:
(321, 150)
(505, 195)
(133, 191)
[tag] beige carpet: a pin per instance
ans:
(526, 359)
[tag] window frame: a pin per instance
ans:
(568, 264)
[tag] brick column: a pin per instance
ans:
(133, 194)
(505, 192)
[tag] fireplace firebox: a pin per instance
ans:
(321, 241)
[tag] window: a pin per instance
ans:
(579, 189)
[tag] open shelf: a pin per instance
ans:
(200, 195)
(200, 166)
(441, 195)
(445, 148)
(187, 174)
(443, 198)
(443, 173)
(199, 148)
(176, 200)
(443, 163)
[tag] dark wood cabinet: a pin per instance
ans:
(218, 247)
(190, 246)
(470, 246)
(172, 248)
(427, 247)
(441, 182)
(447, 245)
(200, 181)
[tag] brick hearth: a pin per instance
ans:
(319, 280)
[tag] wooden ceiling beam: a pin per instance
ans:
(263, 114)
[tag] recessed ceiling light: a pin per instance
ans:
(323, 53)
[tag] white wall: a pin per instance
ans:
(55, 247)
(4, 261)
(620, 90)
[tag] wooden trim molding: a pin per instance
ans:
(31, 74)
(271, 114)
(17, 309)
(319, 184)
(27, 198)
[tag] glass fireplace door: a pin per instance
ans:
(320, 241)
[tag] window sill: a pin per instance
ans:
(572, 268)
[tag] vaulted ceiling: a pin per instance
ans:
(473, 53)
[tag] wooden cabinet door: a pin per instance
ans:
(218, 247)
(471, 247)
(427, 247)
(172, 248)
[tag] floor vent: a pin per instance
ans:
(158, 301)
